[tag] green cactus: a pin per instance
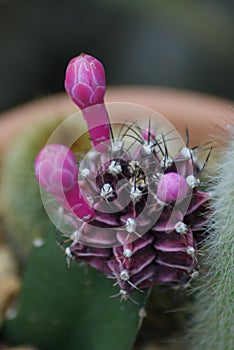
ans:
(58, 307)
(22, 212)
(213, 310)
(70, 308)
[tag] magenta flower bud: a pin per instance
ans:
(86, 85)
(56, 169)
(57, 173)
(171, 187)
(85, 81)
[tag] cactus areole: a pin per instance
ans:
(140, 216)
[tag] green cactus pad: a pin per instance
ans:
(70, 308)
(22, 212)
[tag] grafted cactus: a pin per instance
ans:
(138, 216)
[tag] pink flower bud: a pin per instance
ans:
(56, 169)
(86, 85)
(85, 81)
(171, 187)
(57, 173)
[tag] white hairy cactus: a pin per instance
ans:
(213, 313)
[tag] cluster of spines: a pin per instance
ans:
(167, 252)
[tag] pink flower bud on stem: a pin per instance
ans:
(57, 173)
(97, 121)
(85, 83)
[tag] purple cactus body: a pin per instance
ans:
(139, 217)
(162, 249)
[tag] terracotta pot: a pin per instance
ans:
(204, 115)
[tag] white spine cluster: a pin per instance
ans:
(135, 194)
(148, 147)
(127, 253)
(130, 225)
(114, 168)
(166, 162)
(192, 181)
(117, 146)
(181, 227)
(106, 191)
(124, 275)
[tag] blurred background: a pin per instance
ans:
(178, 43)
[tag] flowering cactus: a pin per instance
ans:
(85, 83)
(145, 210)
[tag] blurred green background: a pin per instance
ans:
(179, 43)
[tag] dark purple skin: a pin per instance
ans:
(162, 254)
